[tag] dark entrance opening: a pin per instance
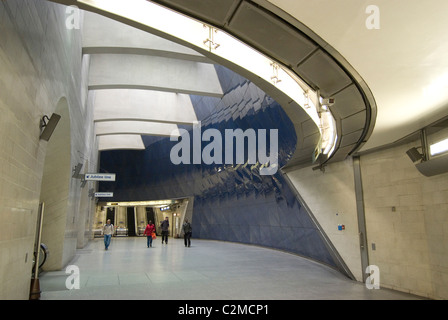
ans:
(130, 211)
(110, 214)
(150, 216)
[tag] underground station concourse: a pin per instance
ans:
(305, 143)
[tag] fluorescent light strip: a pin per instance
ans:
(439, 147)
(330, 133)
(154, 203)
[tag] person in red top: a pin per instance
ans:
(150, 229)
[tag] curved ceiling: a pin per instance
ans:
(299, 49)
(373, 74)
(404, 62)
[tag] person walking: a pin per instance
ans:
(108, 231)
(165, 227)
(150, 229)
(186, 228)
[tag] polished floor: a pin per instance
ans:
(208, 270)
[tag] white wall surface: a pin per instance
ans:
(406, 218)
(40, 63)
(331, 198)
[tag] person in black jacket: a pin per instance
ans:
(165, 227)
(186, 228)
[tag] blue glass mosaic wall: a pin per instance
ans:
(231, 203)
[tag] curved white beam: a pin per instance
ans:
(111, 71)
(105, 35)
(143, 105)
(136, 127)
(116, 142)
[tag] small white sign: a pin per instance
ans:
(100, 177)
(104, 194)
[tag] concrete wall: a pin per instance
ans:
(40, 64)
(330, 195)
(406, 218)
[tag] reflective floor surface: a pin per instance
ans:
(208, 270)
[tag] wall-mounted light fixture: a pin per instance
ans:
(48, 124)
(414, 154)
(427, 164)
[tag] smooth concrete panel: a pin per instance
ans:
(55, 188)
(125, 141)
(143, 105)
(105, 35)
(331, 198)
(136, 127)
(154, 73)
(406, 218)
(40, 63)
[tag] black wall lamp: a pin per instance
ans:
(49, 124)
(414, 154)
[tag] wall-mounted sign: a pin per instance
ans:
(99, 177)
(104, 194)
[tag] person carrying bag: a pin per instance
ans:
(150, 233)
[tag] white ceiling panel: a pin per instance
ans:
(105, 35)
(143, 105)
(136, 127)
(112, 71)
(120, 142)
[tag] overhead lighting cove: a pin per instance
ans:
(219, 43)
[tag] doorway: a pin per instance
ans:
(130, 215)
(150, 215)
(110, 214)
